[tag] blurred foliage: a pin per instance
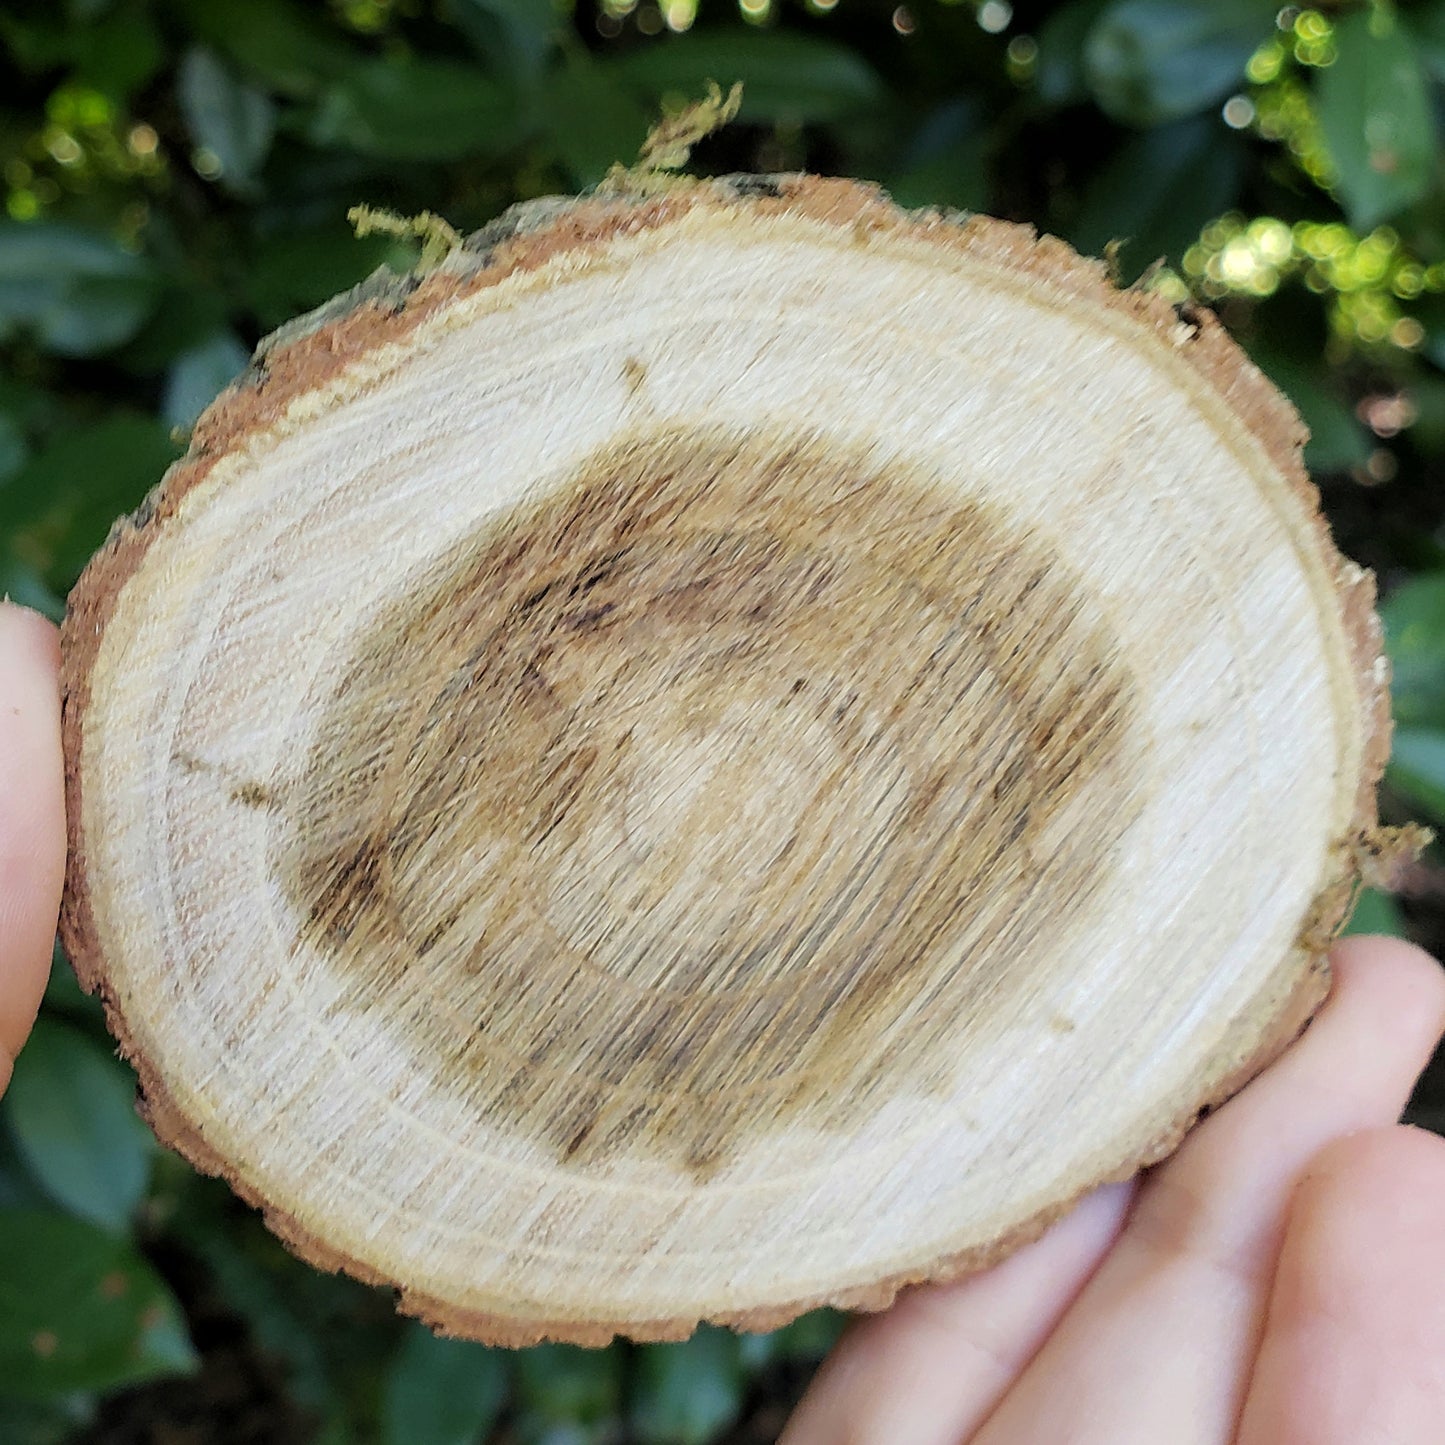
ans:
(176, 176)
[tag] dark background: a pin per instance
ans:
(176, 176)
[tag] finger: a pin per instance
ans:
(1177, 1308)
(1354, 1345)
(32, 820)
(930, 1369)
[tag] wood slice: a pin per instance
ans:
(714, 754)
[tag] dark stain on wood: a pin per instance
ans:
(711, 793)
(251, 794)
(247, 791)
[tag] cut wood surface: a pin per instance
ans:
(716, 753)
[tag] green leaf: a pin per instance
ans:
(35, 42)
(413, 109)
(18, 1189)
(197, 376)
(517, 33)
(119, 54)
(1159, 189)
(1059, 78)
(441, 1392)
(563, 1384)
(186, 317)
(77, 290)
(232, 120)
(1375, 113)
(1428, 432)
(44, 1422)
(787, 78)
(1414, 617)
(1150, 61)
(63, 993)
(71, 1108)
(13, 447)
(294, 270)
(30, 405)
(804, 1342)
(21, 582)
(592, 119)
(283, 42)
(80, 1310)
(115, 53)
(1427, 24)
(59, 507)
(955, 176)
(1417, 768)
(685, 1394)
(250, 1290)
(1376, 912)
(810, 1336)
(947, 162)
(1337, 440)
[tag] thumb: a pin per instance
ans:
(32, 819)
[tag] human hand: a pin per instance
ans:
(32, 820)
(1278, 1281)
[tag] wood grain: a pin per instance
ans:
(708, 776)
(717, 753)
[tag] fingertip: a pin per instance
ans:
(1393, 976)
(1070, 1246)
(930, 1369)
(1366, 1211)
(1371, 957)
(32, 816)
(1392, 1168)
(28, 636)
(1356, 1321)
(1364, 1253)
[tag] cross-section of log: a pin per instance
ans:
(712, 754)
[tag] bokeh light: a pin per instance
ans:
(1022, 58)
(1364, 278)
(82, 144)
(1284, 112)
(995, 15)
